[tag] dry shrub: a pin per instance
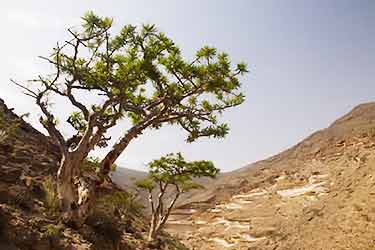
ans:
(50, 195)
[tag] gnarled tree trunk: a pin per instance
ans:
(76, 193)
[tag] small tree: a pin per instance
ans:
(173, 175)
(138, 74)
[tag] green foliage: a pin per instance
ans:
(77, 121)
(52, 231)
(146, 184)
(122, 203)
(50, 195)
(141, 74)
(173, 169)
(93, 163)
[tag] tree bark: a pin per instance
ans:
(118, 148)
(153, 228)
(65, 188)
(160, 217)
(76, 194)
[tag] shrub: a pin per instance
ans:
(106, 227)
(50, 195)
(52, 231)
(122, 203)
(94, 164)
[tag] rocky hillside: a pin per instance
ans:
(28, 216)
(320, 194)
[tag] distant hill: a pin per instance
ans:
(125, 177)
(319, 194)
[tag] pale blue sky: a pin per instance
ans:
(311, 62)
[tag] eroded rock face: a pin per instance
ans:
(319, 194)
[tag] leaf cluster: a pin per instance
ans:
(174, 170)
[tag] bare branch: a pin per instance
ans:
(165, 217)
(151, 200)
(49, 124)
(76, 103)
(28, 92)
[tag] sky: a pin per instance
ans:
(310, 62)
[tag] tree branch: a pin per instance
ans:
(50, 126)
(151, 201)
(164, 218)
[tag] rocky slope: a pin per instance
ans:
(320, 194)
(28, 220)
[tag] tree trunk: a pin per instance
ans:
(119, 147)
(65, 188)
(158, 220)
(76, 194)
(152, 235)
(153, 229)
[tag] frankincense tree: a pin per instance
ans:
(138, 74)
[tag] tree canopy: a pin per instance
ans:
(139, 74)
